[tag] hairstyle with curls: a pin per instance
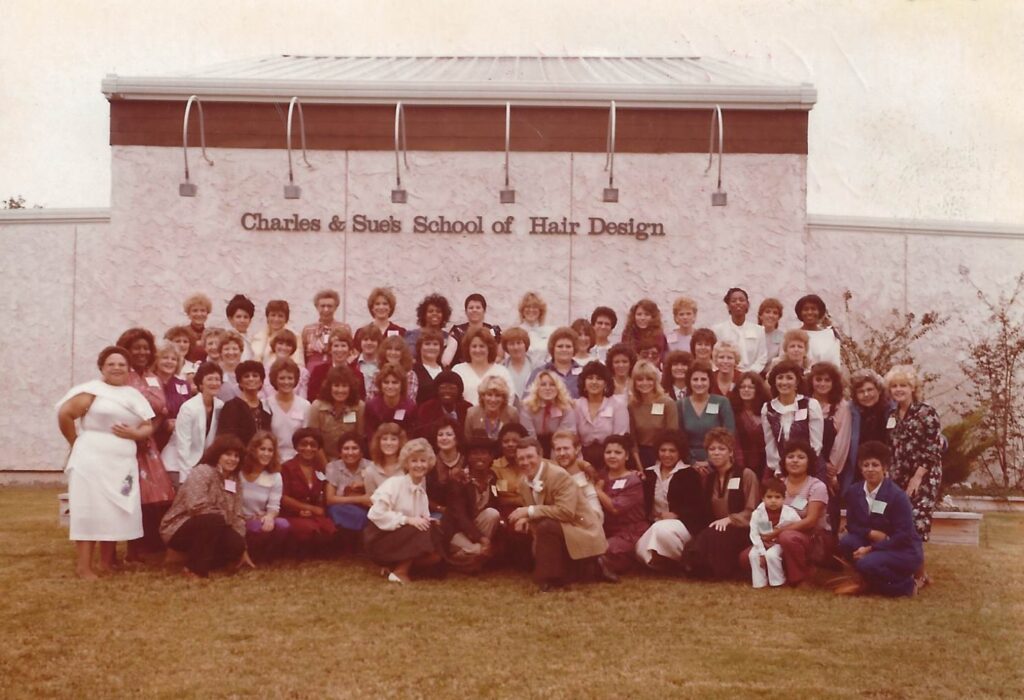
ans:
(281, 366)
(796, 335)
(792, 446)
(653, 329)
(447, 376)
(169, 349)
(645, 370)
(221, 444)
(394, 342)
(623, 441)
(378, 292)
(352, 436)
(762, 394)
(695, 367)
(250, 366)
(724, 346)
(562, 333)
(197, 299)
(416, 446)
(906, 374)
(676, 439)
(873, 449)
(111, 350)
(584, 328)
(343, 334)
(722, 436)
(175, 332)
(827, 369)
(327, 294)
(616, 350)
(279, 306)
(251, 462)
(232, 336)
(769, 303)
(385, 429)
(204, 370)
(445, 422)
(704, 336)
(494, 383)
(132, 336)
(340, 375)
(605, 311)
(215, 333)
(513, 335)
(534, 403)
(533, 299)
(484, 335)
(390, 369)
(865, 375)
(428, 335)
(516, 428)
(684, 303)
(240, 302)
(785, 367)
(595, 369)
(437, 300)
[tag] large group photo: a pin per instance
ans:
(535, 349)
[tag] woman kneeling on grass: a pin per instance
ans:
(205, 522)
(400, 534)
(265, 530)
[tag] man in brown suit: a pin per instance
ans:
(567, 537)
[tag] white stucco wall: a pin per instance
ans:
(919, 112)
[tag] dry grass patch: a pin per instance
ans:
(334, 629)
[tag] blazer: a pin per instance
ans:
(476, 423)
(896, 520)
(559, 498)
(190, 439)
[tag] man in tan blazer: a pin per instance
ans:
(568, 540)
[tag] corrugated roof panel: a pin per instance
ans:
(641, 81)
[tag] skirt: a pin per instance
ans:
(716, 555)
(388, 547)
(666, 538)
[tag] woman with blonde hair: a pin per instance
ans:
(401, 534)
(532, 312)
(915, 435)
(725, 357)
(547, 409)
(651, 412)
(494, 411)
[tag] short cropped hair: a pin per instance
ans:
(247, 366)
(475, 296)
(287, 337)
(232, 337)
(108, 351)
(769, 303)
(278, 305)
(282, 365)
(702, 335)
(721, 436)
(529, 441)
(416, 446)
(873, 449)
(303, 433)
(561, 333)
(385, 292)
(683, 303)
(513, 335)
(206, 369)
(774, 485)
(326, 294)
(197, 299)
(484, 335)
(583, 327)
(605, 311)
(240, 302)
(225, 442)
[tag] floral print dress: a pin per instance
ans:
(915, 441)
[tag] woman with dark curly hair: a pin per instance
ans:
(598, 413)
(644, 324)
(620, 361)
(433, 312)
(748, 397)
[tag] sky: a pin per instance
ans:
(920, 112)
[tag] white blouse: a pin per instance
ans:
(283, 424)
(397, 500)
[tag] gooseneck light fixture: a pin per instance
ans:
(508, 195)
(188, 188)
(611, 192)
(399, 195)
(718, 198)
(291, 190)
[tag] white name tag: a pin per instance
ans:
(657, 409)
(799, 503)
(321, 476)
(878, 506)
(801, 414)
(182, 389)
(619, 484)
(230, 486)
(734, 483)
(712, 409)
(391, 334)
(891, 423)
(400, 414)
(608, 412)
(153, 382)
(349, 417)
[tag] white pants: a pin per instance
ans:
(666, 538)
(772, 558)
(487, 520)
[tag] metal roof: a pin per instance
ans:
(634, 81)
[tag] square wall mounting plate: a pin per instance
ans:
(187, 189)
(292, 192)
(399, 196)
(611, 194)
(508, 197)
(718, 199)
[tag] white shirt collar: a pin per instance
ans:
(872, 494)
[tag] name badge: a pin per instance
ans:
(577, 370)
(619, 484)
(878, 507)
(230, 486)
(502, 485)
(799, 503)
(657, 409)
(400, 414)
(153, 382)
(734, 483)
(391, 334)
(711, 409)
(764, 526)
(801, 414)
(349, 417)
(891, 423)
(320, 476)
(608, 412)
(182, 389)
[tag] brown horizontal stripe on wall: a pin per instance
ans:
(458, 128)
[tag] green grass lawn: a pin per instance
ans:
(335, 629)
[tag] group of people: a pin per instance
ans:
(718, 452)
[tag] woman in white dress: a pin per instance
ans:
(103, 474)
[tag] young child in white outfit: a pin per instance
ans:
(765, 553)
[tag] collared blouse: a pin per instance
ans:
(612, 419)
(397, 500)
